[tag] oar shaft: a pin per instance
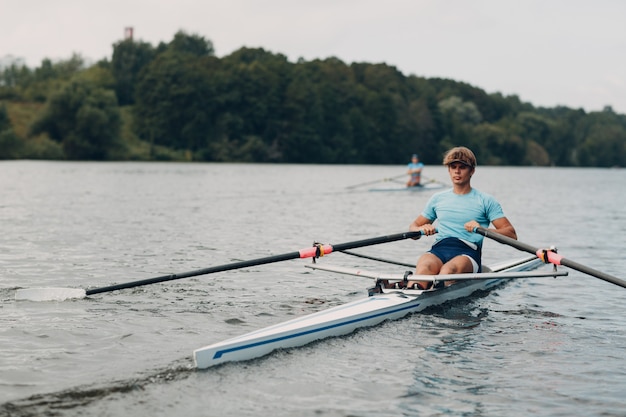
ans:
(204, 271)
(376, 181)
(373, 258)
(552, 257)
(506, 240)
(593, 272)
(377, 240)
(304, 253)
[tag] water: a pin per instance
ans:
(532, 347)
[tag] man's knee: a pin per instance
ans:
(428, 264)
(458, 265)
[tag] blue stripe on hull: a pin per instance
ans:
(220, 353)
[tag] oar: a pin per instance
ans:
(376, 181)
(59, 294)
(434, 180)
(373, 258)
(550, 256)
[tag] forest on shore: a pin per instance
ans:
(177, 101)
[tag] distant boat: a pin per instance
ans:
(428, 186)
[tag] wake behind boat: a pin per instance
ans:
(382, 304)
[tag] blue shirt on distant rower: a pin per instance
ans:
(454, 210)
(417, 165)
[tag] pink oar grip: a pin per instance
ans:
(313, 251)
(552, 257)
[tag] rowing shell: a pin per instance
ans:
(346, 318)
(423, 187)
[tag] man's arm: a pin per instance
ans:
(501, 225)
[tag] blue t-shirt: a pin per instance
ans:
(454, 210)
(413, 166)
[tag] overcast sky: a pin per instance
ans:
(548, 52)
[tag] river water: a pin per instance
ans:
(543, 347)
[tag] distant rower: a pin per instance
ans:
(415, 172)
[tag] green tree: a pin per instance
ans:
(13, 75)
(5, 122)
(460, 111)
(604, 140)
(100, 75)
(10, 144)
(561, 131)
(497, 146)
(191, 44)
(129, 58)
(303, 114)
(85, 119)
(604, 147)
(174, 102)
(250, 89)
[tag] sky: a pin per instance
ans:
(547, 52)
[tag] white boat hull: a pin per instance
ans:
(424, 187)
(342, 320)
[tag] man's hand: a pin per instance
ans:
(471, 226)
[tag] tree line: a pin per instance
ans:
(178, 101)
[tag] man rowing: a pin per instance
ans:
(457, 211)
(415, 172)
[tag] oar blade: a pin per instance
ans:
(49, 294)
